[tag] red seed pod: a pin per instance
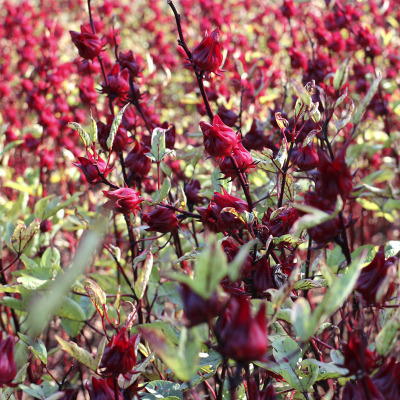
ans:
(243, 158)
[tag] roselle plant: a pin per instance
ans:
(199, 200)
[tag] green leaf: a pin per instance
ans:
(144, 275)
(161, 194)
(344, 119)
(82, 355)
(392, 249)
(183, 359)
(70, 309)
(315, 216)
(264, 160)
(55, 206)
(42, 391)
(23, 235)
(37, 347)
(43, 308)
(115, 126)
(41, 205)
(367, 99)
(82, 133)
(339, 291)
(387, 337)
(341, 74)
(307, 284)
(236, 264)
(162, 390)
(96, 295)
(300, 318)
(93, 129)
(210, 268)
(288, 239)
(328, 370)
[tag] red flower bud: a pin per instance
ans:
(240, 335)
(161, 220)
(88, 44)
(207, 55)
(356, 391)
(119, 355)
(91, 171)
(123, 200)
(219, 139)
(8, 368)
(375, 282)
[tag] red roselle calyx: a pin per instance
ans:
(219, 139)
(119, 355)
(92, 168)
(117, 85)
(376, 280)
(8, 368)
(123, 200)
(207, 55)
(240, 335)
(198, 309)
(243, 159)
(161, 220)
(88, 44)
(137, 161)
(102, 389)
